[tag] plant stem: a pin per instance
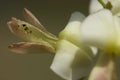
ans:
(108, 5)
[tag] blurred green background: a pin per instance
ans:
(54, 15)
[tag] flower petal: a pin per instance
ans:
(117, 26)
(71, 62)
(34, 21)
(104, 69)
(30, 33)
(27, 47)
(29, 17)
(99, 30)
(96, 6)
(116, 7)
(71, 31)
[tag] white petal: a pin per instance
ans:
(94, 50)
(116, 7)
(117, 26)
(99, 30)
(104, 69)
(96, 6)
(71, 62)
(71, 31)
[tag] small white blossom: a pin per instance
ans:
(96, 6)
(72, 60)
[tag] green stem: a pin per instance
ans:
(108, 5)
(102, 3)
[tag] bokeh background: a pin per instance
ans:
(54, 15)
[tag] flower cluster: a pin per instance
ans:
(78, 43)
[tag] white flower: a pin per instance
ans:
(72, 60)
(96, 6)
(102, 30)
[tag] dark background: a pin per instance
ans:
(54, 15)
